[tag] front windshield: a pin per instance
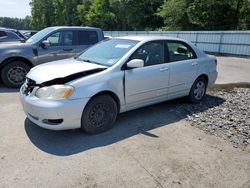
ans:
(108, 52)
(39, 36)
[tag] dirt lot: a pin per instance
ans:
(149, 147)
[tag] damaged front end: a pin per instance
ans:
(29, 85)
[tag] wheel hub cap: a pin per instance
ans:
(99, 115)
(16, 75)
(199, 90)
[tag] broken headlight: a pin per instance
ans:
(55, 92)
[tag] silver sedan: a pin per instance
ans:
(112, 77)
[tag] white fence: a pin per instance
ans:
(224, 42)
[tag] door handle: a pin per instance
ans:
(67, 49)
(194, 63)
(163, 69)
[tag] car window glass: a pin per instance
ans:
(40, 35)
(179, 51)
(13, 35)
(107, 52)
(54, 39)
(87, 37)
(2, 34)
(67, 38)
(151, 53)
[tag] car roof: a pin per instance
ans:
(73, 27)
(7, 29)
(148, 38)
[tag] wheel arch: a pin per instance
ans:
(16, 58)
(110, 93)
(205, 76)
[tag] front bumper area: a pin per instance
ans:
(52, 114)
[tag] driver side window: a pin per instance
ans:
(61, 38)
(54, 39)
(152, 53)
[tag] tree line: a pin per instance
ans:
(142, 14)
(16, 23)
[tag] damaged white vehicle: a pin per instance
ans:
(112, 77)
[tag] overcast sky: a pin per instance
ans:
(15, 8)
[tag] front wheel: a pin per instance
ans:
(99, 114)
(198, 90)
(13, 74)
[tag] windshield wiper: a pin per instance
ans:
(90, 61)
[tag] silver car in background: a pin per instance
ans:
(112, 77)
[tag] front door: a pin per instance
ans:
(61, 47)
(148, 84)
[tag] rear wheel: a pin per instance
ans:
(198, 90)
(99, 114)
(13, 74)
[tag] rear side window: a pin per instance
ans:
(67, 38)
(179, 51)
(87, 37)
(2, 34)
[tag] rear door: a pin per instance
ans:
(62, 46)
(183, 66)
(148, 84)
(85, 39)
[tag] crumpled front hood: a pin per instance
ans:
(62, 69)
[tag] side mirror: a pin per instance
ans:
(45, 44)
(135, 63)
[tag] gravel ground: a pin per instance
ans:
(225, 114)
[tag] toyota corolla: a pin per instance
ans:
(112, 77)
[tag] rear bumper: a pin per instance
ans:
(40, 111)
(212, 77)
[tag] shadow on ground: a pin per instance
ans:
(4, 89)
(64, 143)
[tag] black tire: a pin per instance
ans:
(99, 114)
(13, 74)
(194, 96)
